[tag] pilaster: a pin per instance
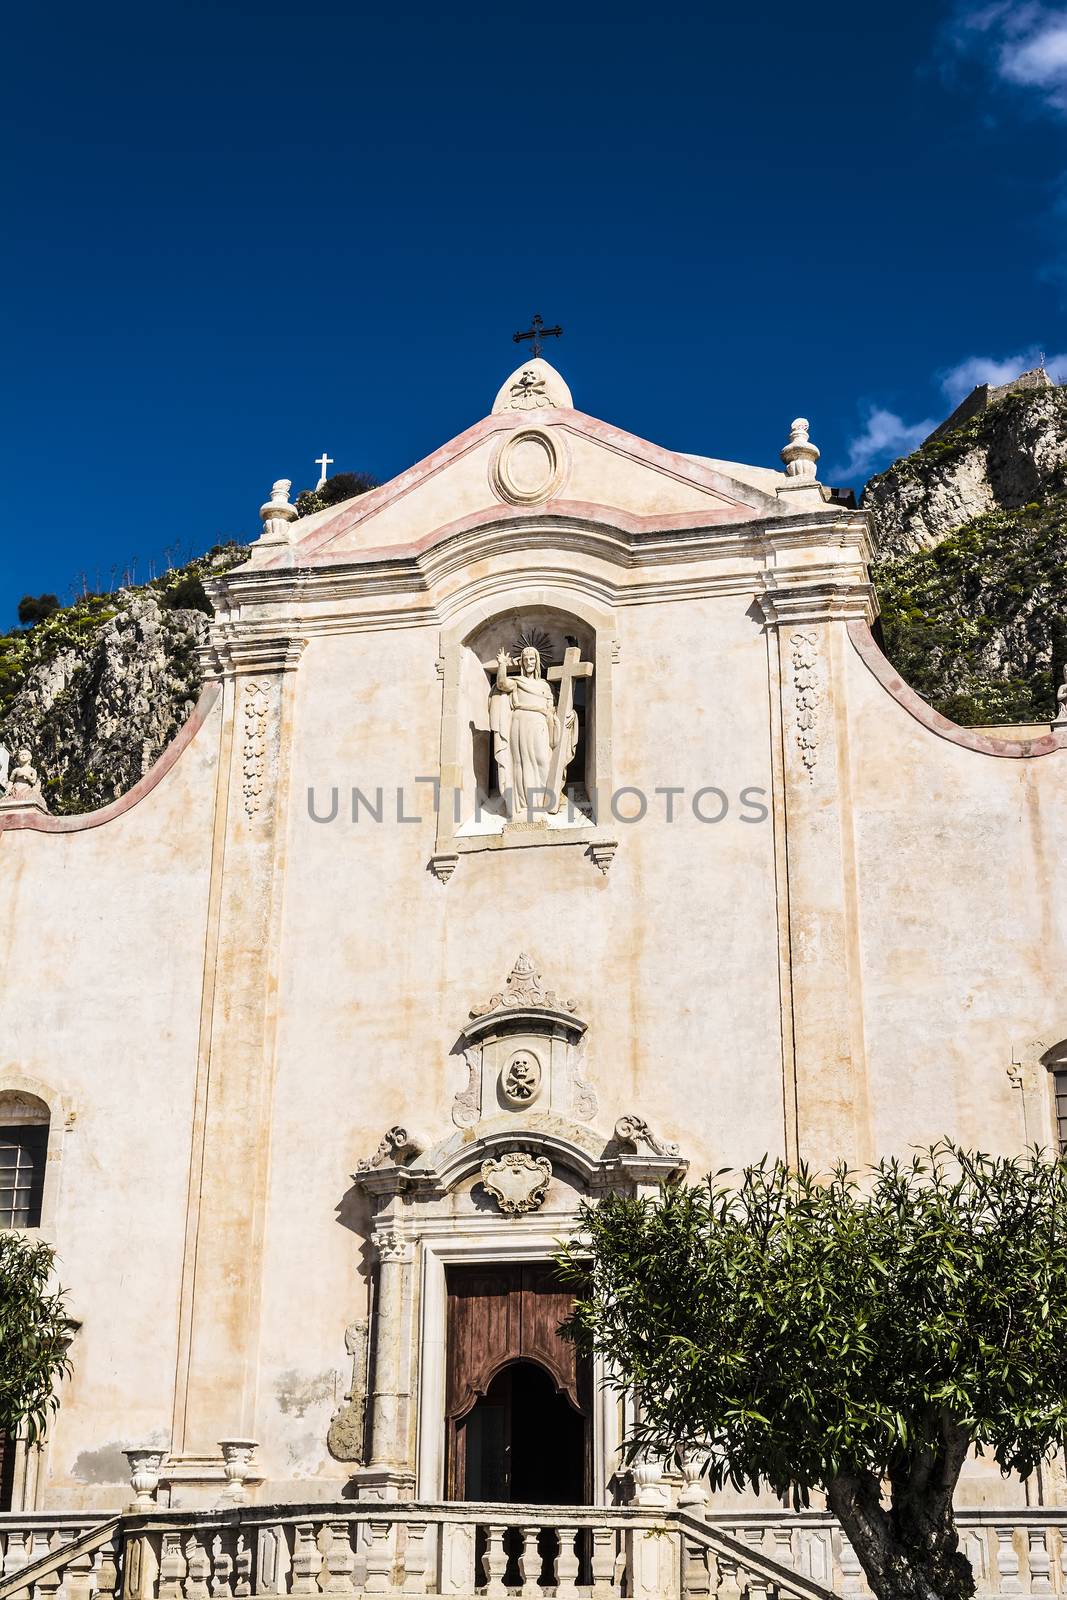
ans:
(390, 1472)
(215, 1391)
(815, 581)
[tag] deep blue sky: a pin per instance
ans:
(238, 234)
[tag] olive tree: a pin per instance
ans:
(34, 1334)
(856, 1334)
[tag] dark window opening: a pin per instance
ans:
(7, 1471)
(1059, 1081)
(23, 1150)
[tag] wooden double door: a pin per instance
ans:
(518, 1397)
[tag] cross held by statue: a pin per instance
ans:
(572, 667)
(537, 331)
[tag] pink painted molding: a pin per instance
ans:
(1014, 749)
(744, 501)
(41, 822)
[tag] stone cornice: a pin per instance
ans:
(822, 597)
(233, 651)
(632, 566)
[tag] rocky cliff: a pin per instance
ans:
(973, 557)
(99, 688)
(1004, 458)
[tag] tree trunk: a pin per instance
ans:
(908, 1550)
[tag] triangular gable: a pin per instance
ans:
(605, 473)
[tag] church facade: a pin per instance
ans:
(550, 824)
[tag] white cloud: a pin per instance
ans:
(1037, 58)
(959, 380)
(884, 437)
(1028, 45)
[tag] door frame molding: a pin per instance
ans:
(519, 1245)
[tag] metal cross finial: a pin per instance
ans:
(322, 462)
(537, 331)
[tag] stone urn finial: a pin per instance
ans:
(277, 513)
(800, 455)
(145, 1465)
(236, 1459)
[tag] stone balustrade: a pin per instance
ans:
(373, 1548)
(382, 1548)
(1011, 1552)
(45, 1552)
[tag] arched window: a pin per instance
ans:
(24, 1121)
(1056, 1062)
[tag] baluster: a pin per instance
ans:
(79, 1576)
(729, 1578)
(565, 1571)
(48, 1585)
(380, 1558)
(1008, 1561)
(172, 1567)
(306, 1560)
(696, 1575)
(416, 1559)
(603, 1561)
(338, 1560)
(1040, 1558)
(16, 1554)
(107, 1572)
(758, 1587)
(198, 1569)
(221, 1569)
(495, 1560)
(530, 1562)
(243, 1567)
(782, 1545)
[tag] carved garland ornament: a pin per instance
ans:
(253, 753)
(806, 688)
(518, 1182)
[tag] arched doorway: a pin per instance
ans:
(519, 1399)
(523, 1441)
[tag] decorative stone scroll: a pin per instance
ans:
(345, 1439)
(523, 988)
(396, 1145)
(517, 1181)
(635, 1131)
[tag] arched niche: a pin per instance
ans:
(472, 814)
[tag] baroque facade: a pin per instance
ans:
(550, 823)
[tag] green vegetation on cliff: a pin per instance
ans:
(978, 624)
(97, 689)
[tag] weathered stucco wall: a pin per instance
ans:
(101, 970)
